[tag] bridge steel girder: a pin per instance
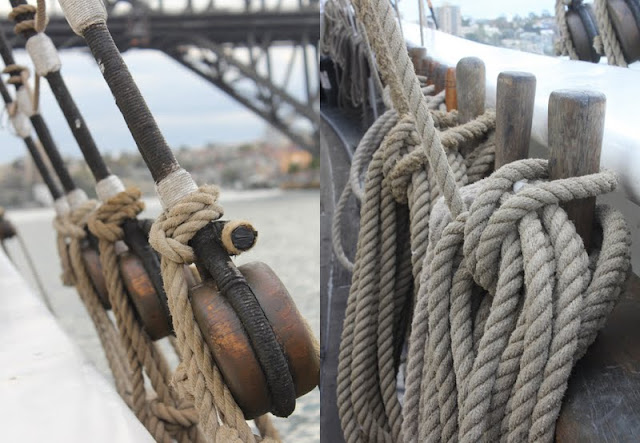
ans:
(219, 27)
(271, 102)
(217, 32)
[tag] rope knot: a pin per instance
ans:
(401, 140)
(71, 226)
(172, 231)
(65, 228)
(497, 210)
(182, 416)
(106, 222)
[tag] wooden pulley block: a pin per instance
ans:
(432, 65)
(416, 54)
(626, 29)
(7, 230)
(634, 7)
(441, 75)
(583, 28)
(232, 350)
(582, 39)
(151, 307)
(94, 269)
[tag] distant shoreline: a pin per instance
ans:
(16, 214)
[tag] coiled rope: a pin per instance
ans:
(167, 415)
(605, 43)
(71, 233)
(197, 375)
(388, 131)
(506, 298)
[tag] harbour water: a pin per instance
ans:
(288, 225)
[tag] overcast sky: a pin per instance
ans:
(189, 110)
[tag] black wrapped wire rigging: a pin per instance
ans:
(161, 162)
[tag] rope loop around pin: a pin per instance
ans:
(172, 231)
(106, 221)
(531, 260)
(492, 215)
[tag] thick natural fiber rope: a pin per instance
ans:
(62, 234)
(608, 37)
(508, 372)
(406, 93)
(477, 165)
(564, 44)
(167, 415)
(197, 375)
(399, 171)
(71, 232)
(400, 177)
(438, 384)
(349, 50)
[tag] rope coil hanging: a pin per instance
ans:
(507, 299)
(164, 415)
(71, 233)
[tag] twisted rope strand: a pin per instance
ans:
(197, 376)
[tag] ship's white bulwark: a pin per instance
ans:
(621, 145)
(49, 391)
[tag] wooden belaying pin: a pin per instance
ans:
(450, 93)
(576, 128)
(431, 71)
(416, 55)
(441, 75)
(423, 64)
(470, 88)
(515, 97)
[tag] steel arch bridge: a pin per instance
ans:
(229, 43)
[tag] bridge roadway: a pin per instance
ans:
(153, 29)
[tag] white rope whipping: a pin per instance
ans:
(83, 13)
(174, 187)
(61, 206)
(21, 124)
(109, 187)
(76, 197)
(24, 103)
(43, 53)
